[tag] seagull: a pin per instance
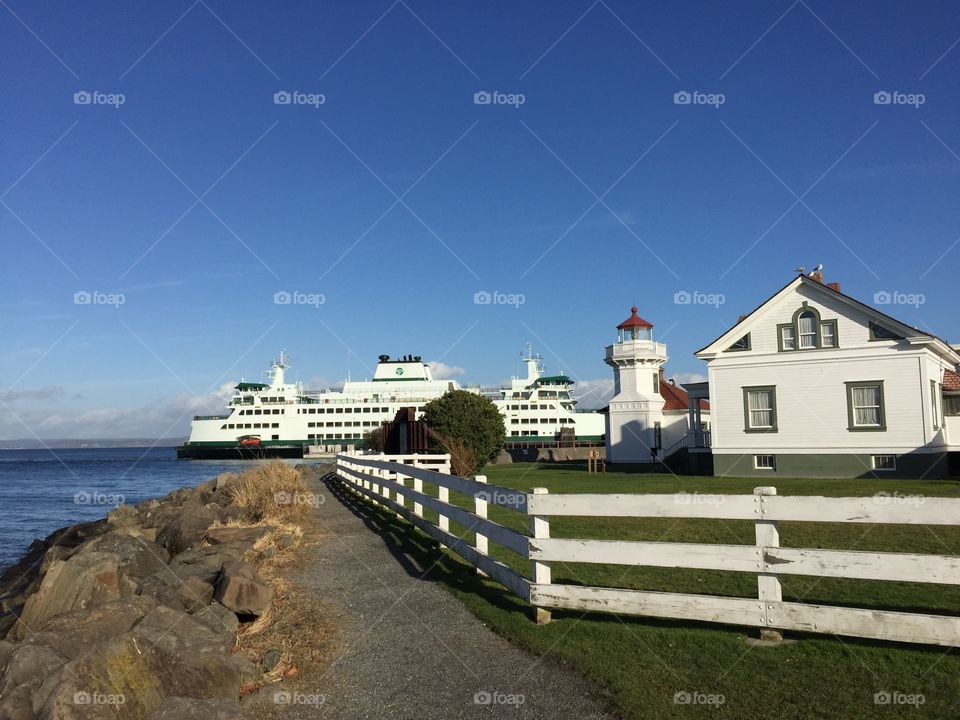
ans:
(817, 269)
(800, 269)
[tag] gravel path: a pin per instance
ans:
(410, 648)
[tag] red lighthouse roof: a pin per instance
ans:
(634, 321)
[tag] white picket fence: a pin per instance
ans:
(397, 482)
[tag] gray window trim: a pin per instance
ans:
(883, 406)
(746, 408)
(819, 322)
(733, 347)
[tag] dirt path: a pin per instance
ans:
(410, 649)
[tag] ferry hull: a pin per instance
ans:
(190, 451)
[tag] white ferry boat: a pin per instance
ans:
(281, 419)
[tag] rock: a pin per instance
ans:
(57, 552)
(7, 621)
(187, 528)
(74, 633)
(138, 558)
(166, 654)
(241, 589)
(189, 593)
(286, 540)
(225, 480)
(6, 649)
(179, 708)
(28, 665)
(270, 659)
(149, 534)
(233, 513)
(123, 516)
(216, 618)
(211, 555)
(268, 552)
(17, 704)
(80, 582)
(249, 535)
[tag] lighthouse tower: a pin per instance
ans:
(635, 416)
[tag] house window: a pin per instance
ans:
(788, 338)
(656, 383)
(865, 410)
(828, 334)
(807, 323)
(657, 435)
(934, 405)
(764, 462)
(951, 405)
(760, 409)
(879, 332)
(884, 462)
(741, 344)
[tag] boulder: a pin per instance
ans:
(80, 582)
(123, 516)
(28, 666)
(71, 634)
(179, 708)
(147, 533)
(244, 535)
(189, 593)
(17, 704)
(166, 654)
(240, 589)
(138, 558)
(270, 659)
(225, 480)
(6, 650)
(234, 513)
(216, 618)
(187, 528)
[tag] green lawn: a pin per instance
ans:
(642, 663)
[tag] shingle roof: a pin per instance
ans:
(634, 321)
(676, 398)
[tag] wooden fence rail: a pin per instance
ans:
(385, 480)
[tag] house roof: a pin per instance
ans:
(676, 398)
(830, 289)
(951, 380)
(634, 321)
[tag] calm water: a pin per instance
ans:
(41, 491)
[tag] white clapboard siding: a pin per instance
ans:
(514, 582)
(494, 531)
(494, 494)
(942, 569)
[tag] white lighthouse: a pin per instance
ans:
(635, 418)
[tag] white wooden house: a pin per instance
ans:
(814, 383)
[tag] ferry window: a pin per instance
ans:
(276, 425)
(339, 410)
(223, 427)
(281, 399)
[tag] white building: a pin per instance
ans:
(815, 383)
(648, 419)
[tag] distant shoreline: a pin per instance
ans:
(89, 444)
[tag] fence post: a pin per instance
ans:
(540, 528)
(401, 500)
(480, 510)
(417, 487)
(769, 590)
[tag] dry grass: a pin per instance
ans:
(273, 491)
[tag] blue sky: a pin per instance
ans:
(398, 198)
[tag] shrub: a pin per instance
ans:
(462, 421)
(273, 490)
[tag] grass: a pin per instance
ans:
(271, 491)
(642, 663)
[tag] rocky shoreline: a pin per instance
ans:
(137, 615)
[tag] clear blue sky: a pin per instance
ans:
(104, 198)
